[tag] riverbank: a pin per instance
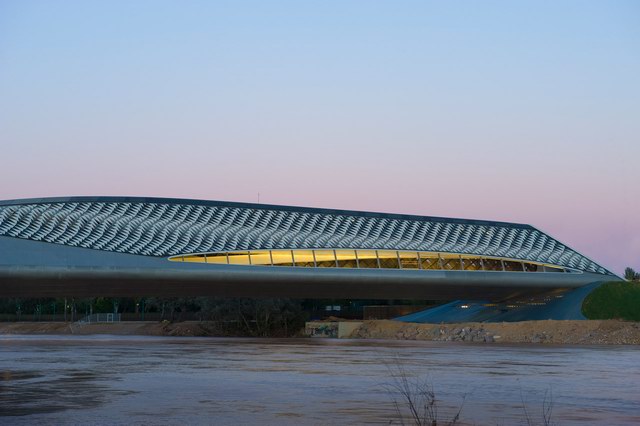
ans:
(123, 328)
(590, 332)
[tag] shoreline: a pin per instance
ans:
(566, 332)
(588, 332)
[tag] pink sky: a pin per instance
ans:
(521, 112)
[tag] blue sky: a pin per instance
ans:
(518, 111)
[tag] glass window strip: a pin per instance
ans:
(352, 258)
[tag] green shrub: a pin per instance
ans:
(613, 300)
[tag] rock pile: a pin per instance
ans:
(607, 332)
(464, 334)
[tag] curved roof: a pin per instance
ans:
(165, 227)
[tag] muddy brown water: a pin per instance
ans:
(172, 380)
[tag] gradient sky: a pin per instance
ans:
(517, 111)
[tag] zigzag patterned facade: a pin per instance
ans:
(165, 228)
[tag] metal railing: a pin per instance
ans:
(100, 318)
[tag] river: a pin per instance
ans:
(172, 380)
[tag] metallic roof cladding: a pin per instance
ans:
(38, 269)
(166, 227)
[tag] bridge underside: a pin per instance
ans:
(134, 282)
(36, 269)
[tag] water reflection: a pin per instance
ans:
(102, 379)
(29, 392)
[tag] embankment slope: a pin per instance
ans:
(549, 331)
(555, 332)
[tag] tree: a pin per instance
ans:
(253, 317)
(631, 275)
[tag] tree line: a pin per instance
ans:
(239, 316)
(631, 275)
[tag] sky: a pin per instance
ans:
(525, 112)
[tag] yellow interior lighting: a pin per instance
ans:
(383, 259)
(367, 259)
(408, 259)
(261, 257)
(239, 258)
(282, 257)
(325, 258)
(304, 258)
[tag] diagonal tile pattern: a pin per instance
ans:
(156, 228)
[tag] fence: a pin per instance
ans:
(96, 318)
(125, 316)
